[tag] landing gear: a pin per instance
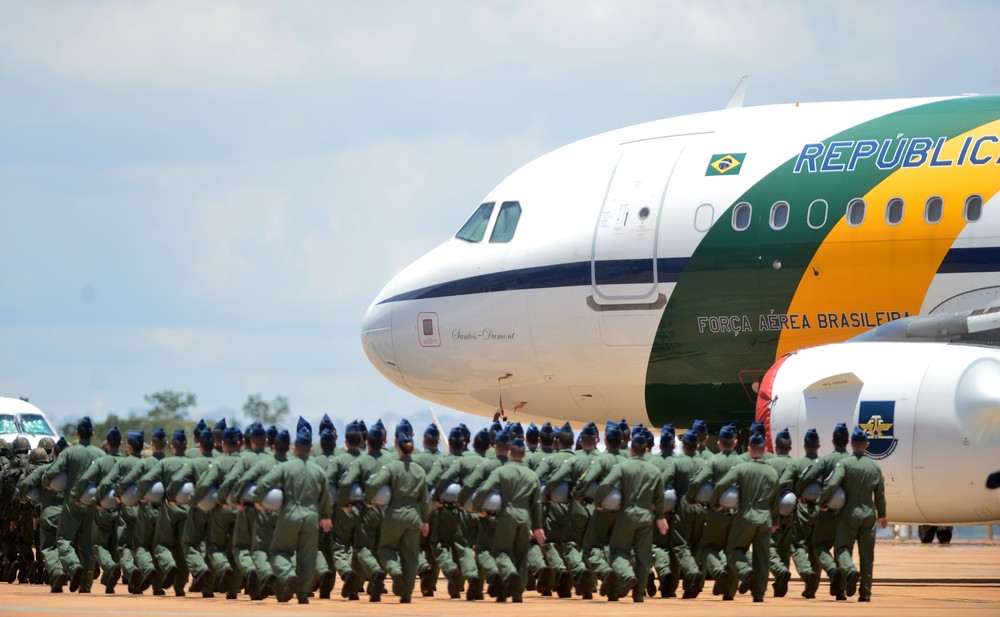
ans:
(929, 532)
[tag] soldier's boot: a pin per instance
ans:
(667, 587)
(74, 579)
(693, 585)
(720, 583)
(375, 586)
(474, 590)
(56, 585)
(198, 581)
(781, 584)
(651, 584)
(543, 582)
(455, 584)
(835, 582)
(111, 578)
(607, 583)
(626, 586)
(288, 589)
(495, 585)
(428, 584)
(326, 581)
(509, 586)
(851, 587)
(348, 584)
(564, 584)
(811, 581)
(746, 582)
(168, 576)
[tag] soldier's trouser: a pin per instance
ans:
(324, 559)
(342, 536)
(243, 539)
(781, 545)
(296, 532)
(74, 533)
(105, 539)
(668, 567)
(536, 559)
(554, 520)
(714, 541)
(428, 565)
(510, 548)
(452, 547)
(263, 536)
(741, 537)
(167, 544)
(125, 534)
(685, 534)
(632, 535)
(219, 547)
(484, 547)
(48, 523)
(861, 531)
(802, 552)
(823, 538)
(143, 541)
(193, 541)
(595, 542)
(572, 537)
(399, 545)
(366, 538)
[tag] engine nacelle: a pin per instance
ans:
(932, 412)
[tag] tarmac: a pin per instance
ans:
(910, 578)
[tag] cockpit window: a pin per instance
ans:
(475, 228)
(510, 214)
(35, 424)
(7, 425)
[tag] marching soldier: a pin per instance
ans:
(221, 520)
(688, 521)
(781, 540)
(127, 515)
(167, 551)
(196, 522)
(345, 514)
(752, 523)
(805, 560)
(664, 561)
(147, 514)
(105, 522)
(598, 532)
(428, 569)
(306, 508)
(245, 520)
(324, 459)
(864, 507)
(556, 577)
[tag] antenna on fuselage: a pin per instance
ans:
(736, 98)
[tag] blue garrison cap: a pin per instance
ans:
(378, 426)
(668, 431)
(136, 439)
(85, 426)
(532, 432)
(546, 428)
(325, 423)
(756, 439)
(352, 427)
(516, 429)
(239, 432)
(432, 431)
(496, 426)
(639, 440)
(159, 433)
(327, 436)
(201, 425)
(465, 431)
(221, 424)
(482, 440)
(566, 428)
(859, 435)
(690, 438)
(610, 426)
(257, 431)
(114, 433)
(206, 438)
(517, 443)
(757, 427)
(613, 433)
(272, 432)
(700, 427)
(783, 434)
(304, 436)
(179, 436)
(623, 426)
(811, 436)
(362, 426)
(503, 437)
(841, 429)
(61, 445)
(404, 426)
(456, 434)
(589, 431)
(404, 437)
(638, 428)
(727, 432)
(301, 424)
(230, 434)
(283, 438)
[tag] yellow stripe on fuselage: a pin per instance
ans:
(862, 276)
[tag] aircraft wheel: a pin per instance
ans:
(944, 534)
(926, 533)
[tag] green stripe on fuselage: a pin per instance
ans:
(693, 371)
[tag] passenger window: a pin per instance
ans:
(475, 228)
(973, 208)
(741, 216)
(856, 212)
(894, 211)
(818, 211)
(934, 210)
(704, 216)
(779, 215)
(510, 213)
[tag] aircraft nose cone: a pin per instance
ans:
(376, 339)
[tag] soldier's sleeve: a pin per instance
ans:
(491, 482)
(227, 483)
(325, 499)
(425, 509)
(731, 478)
(351, 476)
(53, 470)
(787, 479)
(437, 468)
(880, 496)
(657, 500)
(383, 475)
(89, 475)
(152, 475)
(179, 477)
(536, 506)
(593, 473)
(271, 479)
(206, 481)
(669, 473)
(811, 474)
(131, 477)
(703, 474)
(613, 477)
(28, 482)
(831, 484)
(447, 475)
(563, 472)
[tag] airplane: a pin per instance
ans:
(659, 272)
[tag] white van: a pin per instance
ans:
(21, 418)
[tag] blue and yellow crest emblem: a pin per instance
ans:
(877, 419)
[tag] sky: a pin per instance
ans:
(205, 196)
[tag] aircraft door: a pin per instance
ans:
(623, 264)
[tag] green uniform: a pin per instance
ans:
(296, 532)
(599, 527)
(48, 520)
(369, 519)
(717, 524)
(781, 540)
(128, 517)
(864, 488)
(259, 572)
(221, 523)
(345, 519)
(486, 535)
(399, 544)
(805, 560)
(428, 568)
(455, 536)
(641, 485)
(243, 524)
(19, 516)
(758, 484)
(521, 514)
(196, 522)
(74, 529)
(105, 522)
(579, 517)
(825, 532)
(169, 528)
(146, 517)
(324, 560)
(554, 516)
(687, 525)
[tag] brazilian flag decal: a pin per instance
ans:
(725, 164)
